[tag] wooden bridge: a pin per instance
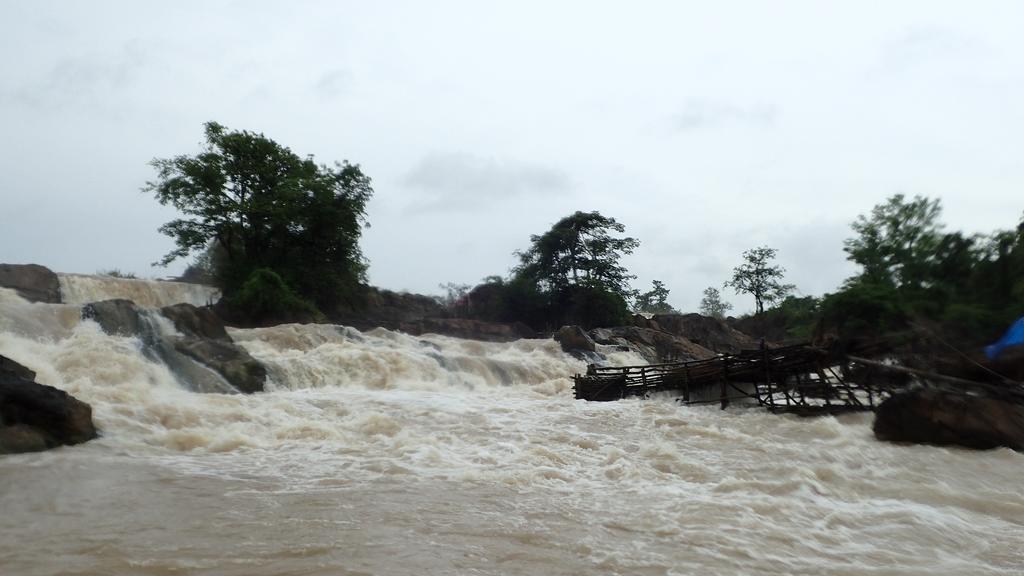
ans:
(802, 379)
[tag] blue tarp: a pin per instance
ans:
(1013, 337)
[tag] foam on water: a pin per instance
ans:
(381, 452)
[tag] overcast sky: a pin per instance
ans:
(705, 127)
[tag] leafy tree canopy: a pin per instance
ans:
(712, 304)
(579, 250)
(655, 301)
(759, 278)
(897, 242)
(265, 207)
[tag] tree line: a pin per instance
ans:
(279, 234)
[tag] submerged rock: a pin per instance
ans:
(35, 417)
(930, 416)
(32, 282)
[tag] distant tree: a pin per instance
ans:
(757, 277)
(117, 273)
(579, 250)
(712, 304)
(897, 243)
(454, 296)
(654, 301)
(267, 208)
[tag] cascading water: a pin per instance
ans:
(382, 453)
(82, 289)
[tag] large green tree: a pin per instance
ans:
(760, 278)
(898, 241)
(572, 274)
(913, 273)
(264, 207)
(579, 250)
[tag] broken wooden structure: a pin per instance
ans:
(801, 379)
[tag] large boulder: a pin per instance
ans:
(32, 282)
(705, 331)
(203, 340)
(9, 367)
(227, 359)
(574, 339)
(469, 329)
(655, 346)
(35, 417)
(194, 321)
(929, 416)
(118, 317)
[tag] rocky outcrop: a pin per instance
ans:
(467, 328)
(196, 322)
(9, 367)
(654, 345)
(574, 339)
(387, 309)
(929, 416)
(710, 333)
(227, 359)
(32, 282)
(203, 339)
(118, 317)
(35, 417)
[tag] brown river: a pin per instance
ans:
(382, 453)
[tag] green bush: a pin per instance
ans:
(590, 307)
(265, 296)
(864, 309)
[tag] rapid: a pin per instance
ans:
(382, 453)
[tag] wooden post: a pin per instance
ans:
(724, 396)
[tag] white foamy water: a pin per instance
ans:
(83, 288)
(382, 453)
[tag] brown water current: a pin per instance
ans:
(381, 453)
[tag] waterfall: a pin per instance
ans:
(83, 288)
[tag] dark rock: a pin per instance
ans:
(36, 417)
(194, 321)
(9, 367)
(486, 300)
(470, 329)
(573, 338)
(387, 309)
(654, 345)
(710, 333)
(32, 282)
(228, 359)
(1009, 363)
(641, 321)
(204, 341)
(930, 416)
(118, 317)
